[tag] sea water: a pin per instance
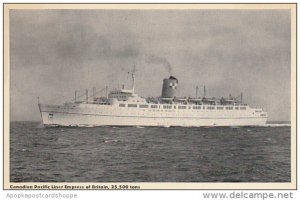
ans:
(149, 154)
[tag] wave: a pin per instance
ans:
(40, 125)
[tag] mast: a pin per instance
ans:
(204, 91)
(133, 82)
(241, 98)
(94, 93)
(196, 91)
(87, 95)
(75, 96)
(133, 78)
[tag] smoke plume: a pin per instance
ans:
(160, 61)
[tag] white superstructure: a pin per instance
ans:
(125, 108)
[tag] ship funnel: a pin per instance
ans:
(169, 87)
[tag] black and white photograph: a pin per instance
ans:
(150, 94)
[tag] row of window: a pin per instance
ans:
(132, 105)
(168, 107)
(184, 107)
(143, 106)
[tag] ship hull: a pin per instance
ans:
(89, 115)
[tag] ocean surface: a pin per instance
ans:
(149, 154)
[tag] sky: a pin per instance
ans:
(55, 52)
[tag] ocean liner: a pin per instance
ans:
(123, 107)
